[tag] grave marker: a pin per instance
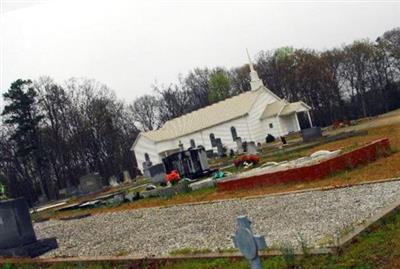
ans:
(157, 173)
(127, 177)
(113, 181)
(248, 243)
(220, 147)
(252, 148)
(17, 237)
(239, 145)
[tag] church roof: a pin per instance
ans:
(273, 109)
(294, 108)
(283, 108)
(223, 111)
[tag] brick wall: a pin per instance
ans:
(349, 160)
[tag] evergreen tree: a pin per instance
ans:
(219, 87)
(20, 113)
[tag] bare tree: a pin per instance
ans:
(145, 112)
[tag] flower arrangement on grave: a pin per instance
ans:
(172, 177)
(246, 160)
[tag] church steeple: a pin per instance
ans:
(255, 81)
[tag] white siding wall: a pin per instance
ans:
(275, 130)
(171, 144)
(222, 131)
(259, 129)
(166, 145)
(145, 145)
(288, 124)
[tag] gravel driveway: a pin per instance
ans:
(313, 216)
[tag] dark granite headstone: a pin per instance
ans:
(210, 153)
(192, 143)
(311, 134)
(17, 237)
(157, 173)
(220, 147)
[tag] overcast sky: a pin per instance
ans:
(130, 44)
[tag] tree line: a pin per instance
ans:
(52, 133)
(356, 80)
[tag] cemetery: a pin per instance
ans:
(282, 219)
(160, 217)
(277, 159)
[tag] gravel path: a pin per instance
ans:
(314, 216)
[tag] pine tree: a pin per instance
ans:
(21, 113)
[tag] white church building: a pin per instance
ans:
(251, 115)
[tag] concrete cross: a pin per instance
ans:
(247, 242)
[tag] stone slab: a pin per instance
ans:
(203, 184)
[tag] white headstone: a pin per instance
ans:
(113, 181)
(127, 177)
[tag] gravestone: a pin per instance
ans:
(191, 163)
(220, 147)
(62, 193)
(113, 181)
(133, 196)
(210, 153)
(157, 173)
(90, 183)
(239, 146)
(252, 148)
(72, 190)
(146, 165)
(192, 143)
(17, 237)
(150, 193)
(181, 148)
(118, 198)
(127, 177)
(311, 134)
(203, 158)
(244, 145)
(248, 243)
